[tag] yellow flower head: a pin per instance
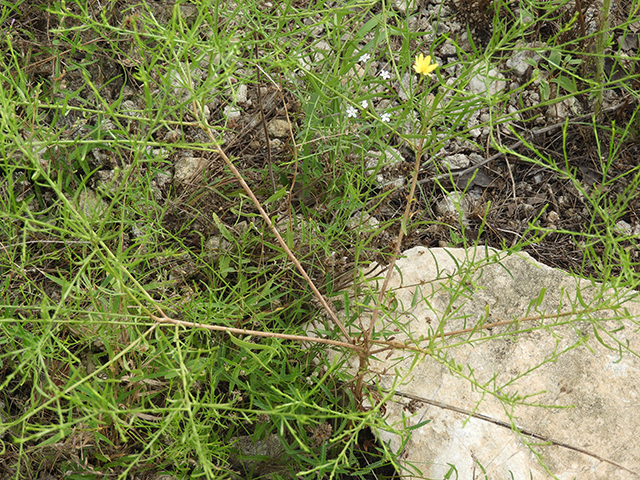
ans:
(423, 65)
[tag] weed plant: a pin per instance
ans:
(136, 308)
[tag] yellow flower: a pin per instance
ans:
(423, 65)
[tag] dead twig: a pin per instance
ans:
(257, 333)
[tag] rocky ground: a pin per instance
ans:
(494, 199)
(469, 191)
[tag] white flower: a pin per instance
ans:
(364, 57)
(351, 112)
(385, 75)
(385, 117)
(364, 104)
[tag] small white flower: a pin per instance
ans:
(385, 117)
(351, 112)
(364, 57)
(364, 104)
(385, 75)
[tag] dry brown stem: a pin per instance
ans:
(364, 356)
(257, 333)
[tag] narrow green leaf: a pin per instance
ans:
(276, 196)
(251, 346)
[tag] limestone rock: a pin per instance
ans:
(456, 161)
(457, 205)
(491, 82)
(279, 128)
(388, 158)
(567, 372)
(404, 6)
(520, 61)
(187, 167)
(566, 108)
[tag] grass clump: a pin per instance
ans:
(141, 277)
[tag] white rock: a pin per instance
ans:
(413, 124)
(104, 179)
(171, 136)
(91, 205)
(404, 6)
(251, 448)
(521, 61)
(463, 40)
(357, 72)
(240, 94)
(473, 122)
(232, 112)
(322, 52)
(130, 108)
(624, 228)
(216, 244)
(548, 375)
(447, 48)
(109, 181)
(162, 179)
(561, 110)
(278, 128)
(186, 167)
(102, 157)
(552, 219)
(455, 204)
(456, 161)
(405, 88)
(375, 161)
(533, 98)
(492, 83)
(363, 222)
(181, 81)
(207, 112)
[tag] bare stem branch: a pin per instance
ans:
(257, 333)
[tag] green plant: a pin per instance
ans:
(154, 309)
